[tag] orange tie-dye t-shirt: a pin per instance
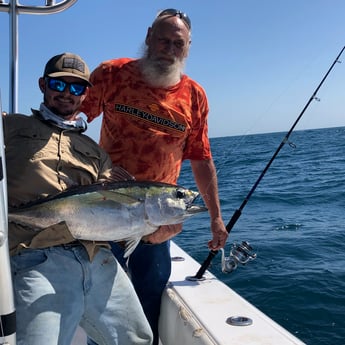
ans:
(148, 131)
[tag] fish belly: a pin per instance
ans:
(101, 221)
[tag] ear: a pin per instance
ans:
(148, 35)
(42, 84)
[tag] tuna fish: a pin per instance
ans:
(111, 211)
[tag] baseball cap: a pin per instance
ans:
(69, 65)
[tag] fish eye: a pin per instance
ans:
(180, 194)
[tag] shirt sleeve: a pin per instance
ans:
(103, 82)
(198, 144)
(92, 105)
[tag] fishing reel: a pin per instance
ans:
(239, 254)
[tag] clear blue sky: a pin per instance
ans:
(259, 61)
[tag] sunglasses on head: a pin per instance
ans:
(174, 12)
(58, 85)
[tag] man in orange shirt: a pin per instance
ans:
(154, 118)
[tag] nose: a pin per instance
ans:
(169, 48)
(66, 91)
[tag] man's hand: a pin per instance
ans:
(219, 233)
(164, 233)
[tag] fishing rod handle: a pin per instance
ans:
(213, 253)
(206, 264)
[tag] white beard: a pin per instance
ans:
(161, 74)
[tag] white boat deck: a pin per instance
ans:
(196, 312)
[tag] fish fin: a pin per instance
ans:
(130, 246)
(118, 197)
(120, 174)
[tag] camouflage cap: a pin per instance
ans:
(69, 65)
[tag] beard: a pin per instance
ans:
(66, 110)
(161, 73)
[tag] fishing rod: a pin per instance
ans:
(244, 250)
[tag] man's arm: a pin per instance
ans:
(206, 179)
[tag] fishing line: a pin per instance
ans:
(221, 162)
(238, 212)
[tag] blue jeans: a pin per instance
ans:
(149, 268)
(58, 288)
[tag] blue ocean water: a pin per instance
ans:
(294, 221)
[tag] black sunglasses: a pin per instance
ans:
(174, 12)
(58, 85)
